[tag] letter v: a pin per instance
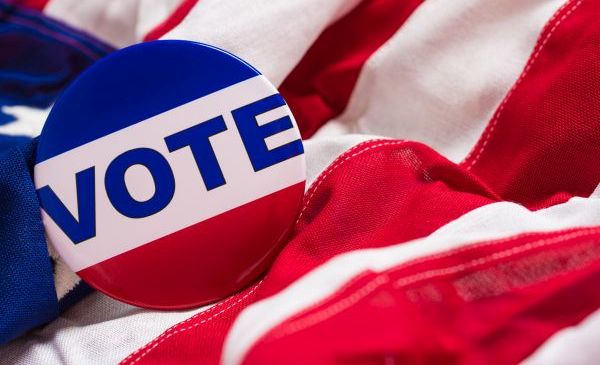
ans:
(78, 230)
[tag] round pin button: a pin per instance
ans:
(169, 173)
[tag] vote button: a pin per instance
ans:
(169, 174)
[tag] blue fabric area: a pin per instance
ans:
(27, 294)
(38, 58)
(7, 142)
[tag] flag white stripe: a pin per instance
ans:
(324, 151)
(117, 22)
(440, 78)
(271, 35)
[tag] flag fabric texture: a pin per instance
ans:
(452, 210)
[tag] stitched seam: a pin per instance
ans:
(339, 162)
(306, 311)
(179, 324)
(172, 331)
(462, 249)
(368, 288)
(335, 308)
(480, 147)
(513, 251)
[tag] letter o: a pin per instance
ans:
(116, 188)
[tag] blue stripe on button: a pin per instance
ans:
(135, 84)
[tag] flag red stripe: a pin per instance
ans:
(541, 146)
(320, 86)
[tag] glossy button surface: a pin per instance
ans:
(169, 174)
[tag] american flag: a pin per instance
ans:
(451, 215)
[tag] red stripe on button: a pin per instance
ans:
(164, 273)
